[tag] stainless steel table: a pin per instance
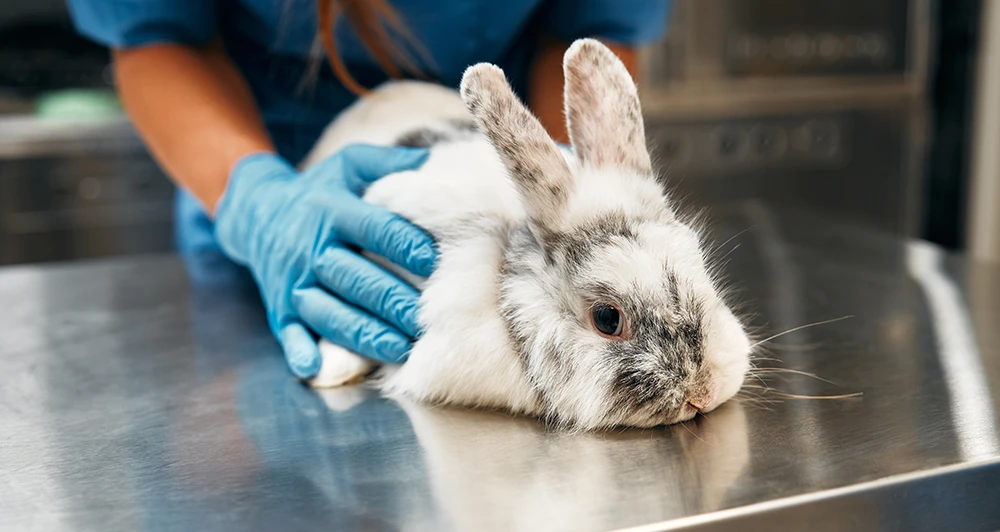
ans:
(147, 393)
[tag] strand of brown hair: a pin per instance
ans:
(372, 21)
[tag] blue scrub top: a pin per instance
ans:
(270, 41)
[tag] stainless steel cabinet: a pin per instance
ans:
(820, 105)
(71, 191)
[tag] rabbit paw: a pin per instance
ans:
(340, 367)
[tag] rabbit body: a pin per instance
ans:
(462, 196)
(566, 286)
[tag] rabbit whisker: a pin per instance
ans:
(799, 328)
(692, 432)
(730, 239)
(752, 388)
(831, 397)
(730, 252)
(756, 371)
(796, 348)
(758, 377)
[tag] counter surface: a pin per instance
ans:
(147, 393)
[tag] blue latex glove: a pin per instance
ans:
(298, 234)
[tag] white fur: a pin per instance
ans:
(458, 305)
(386, 113)
(466, 355)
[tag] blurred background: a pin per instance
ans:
(884, 115)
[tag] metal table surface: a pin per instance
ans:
(146, 393)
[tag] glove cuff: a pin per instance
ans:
(254, 167)
(235, 212)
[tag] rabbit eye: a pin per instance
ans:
(607, 319)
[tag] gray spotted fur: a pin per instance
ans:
(651, 372)
(429, 136)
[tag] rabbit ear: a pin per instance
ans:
(602, 108)
(535, 164)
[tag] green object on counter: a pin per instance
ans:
(78, 104)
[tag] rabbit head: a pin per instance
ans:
(604, 290)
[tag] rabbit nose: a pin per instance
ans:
(699, 398)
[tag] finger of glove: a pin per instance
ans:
(301, 351)
(368, 164)
(376, 229)
(350, 327)
(362, 283)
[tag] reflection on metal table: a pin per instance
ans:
(147, 393)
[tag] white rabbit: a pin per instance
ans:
(567, 288)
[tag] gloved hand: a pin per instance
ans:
(298, 234)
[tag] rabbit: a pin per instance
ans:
(567, 287)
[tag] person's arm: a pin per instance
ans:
(194, 111)
(298, 232)
(198, 117)
(545, 85)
